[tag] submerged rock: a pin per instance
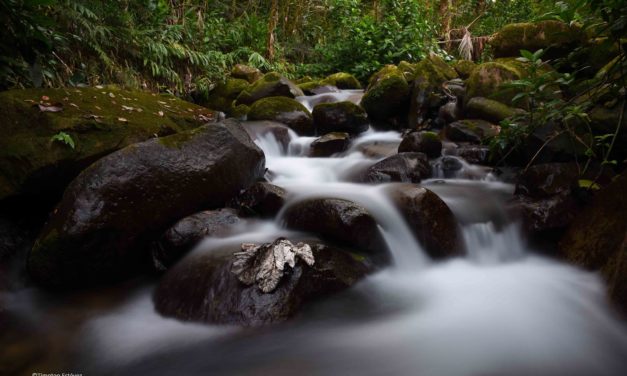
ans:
(421, 142)
(98, 122)
(336, 220)
(329, 144)
(340, 117)
(204, 288)
(270, 85)
(402, 167)
(596, 239)
(262, 199)
(112, 210)
(188, 232)
(429, 218)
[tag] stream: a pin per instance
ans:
(502, 309)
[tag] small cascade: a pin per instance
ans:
(343, 95)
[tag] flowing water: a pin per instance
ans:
(499, 310)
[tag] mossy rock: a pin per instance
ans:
(470, 130)
(342, 116)
(490, 110)
(303, 80)
(596, 239)
(486, 80)
(283, 110)
(387, 97)
(245, 72)
(221, 98)
(344, 81)
(434, 71)
(408, 69)
(308, 87)
(270, 85)
(556, 36)
(464, 68)
(99, 121)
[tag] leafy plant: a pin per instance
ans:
(63, 138)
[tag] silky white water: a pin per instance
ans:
(499, 310)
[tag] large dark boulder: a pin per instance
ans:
(283, 110)
(387, 98)
(340, 117)
(597, 239)
(470, 130)
(421, 142)
(402, 167)
(101, 228)
(430, 219)
(547, 179)
(270, 85)
(98, 121)
(337, 220)
(341, 80)
(490, 110)
(188, 232)
(204, 288)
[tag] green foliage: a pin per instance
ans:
(63, 138)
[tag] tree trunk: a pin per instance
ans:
(272, 22)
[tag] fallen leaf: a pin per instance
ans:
(123, 120)
(98, 108)
(45, 98)
(73, 105)
(127, 108)
(30, 101)
(66, 99)
(57, 107)
(161, 102)
(111, 95)
(99, 86)
(114, 102)
(160, 113)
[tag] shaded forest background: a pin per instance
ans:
(189, 45)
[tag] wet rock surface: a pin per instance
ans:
(204, 288)
(261, 199)
(188, 232)
(421, 142)
(329, 144)
(100, 230)
(402, 167)
(283, 110)
(336, 220)
(270, 85)
(340, 117)
(468, 130)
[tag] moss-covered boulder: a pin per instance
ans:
(427, 94)
(245, 72)
(340, 117)
(596, 239)
(109, 214)
(470, 130)
(408, 69)
(558, 37)
(283, 110)
(387, 97)
(221, 98)
(317, 87)
(490, 110)
(98, 121)
(421, 142)
(270, 85)
(486, 80)
(342, 81)
(464, 68)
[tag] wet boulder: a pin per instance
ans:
(270, 85)
(403, 167)
(337, 220)
(378, 149)
(429, 218)
(490, 110)
(222, 97)
(421, 142)
(261, 199)
(557, 37)
(50, 135)
(340, 117)
(547, 179)
(596, 239)
(205, 287)
(246, 72)
(188, 232)
(449, 112)
(470, 130)
(341, 80)
(474, 154)
(101, 229)
(329, 144)
(464, 68)
(486, 80)
(387, 97)
(283, 110)
(540, 216)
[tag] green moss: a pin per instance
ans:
(308, 86)
(176, 141)
(267, 86)
(342, 81)
(303, 80)
(464, 68)
(408, 69)
(269, 108)
(533, 36)
(431, 136)
(99, 120)
(387, 94)
(222, 97)
(245, 72)
(489, 109)
(433, 71)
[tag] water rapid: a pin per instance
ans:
(499, 310)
